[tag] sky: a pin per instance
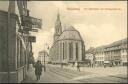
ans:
(97, 27)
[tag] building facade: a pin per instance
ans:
(15, 47)
(43, 57)
(99, 56)
(68, 46)
(90, 57)
(13, 52)
(114, 53)
(117, 52)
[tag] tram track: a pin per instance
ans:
(65, 72)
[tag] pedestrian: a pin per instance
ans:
(78, 67)
(38, 69)
(104, 65)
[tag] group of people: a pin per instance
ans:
(77, 65)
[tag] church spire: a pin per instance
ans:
(58, 27)
(58, 17)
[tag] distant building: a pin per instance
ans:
(115, 53)
(68, 45)
(90, 57)
(99, 55)
(43, 56)
(89, 54)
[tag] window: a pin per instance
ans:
(70, 51)
(77, 51)
(63, 52)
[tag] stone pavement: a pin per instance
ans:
(99, 72)
(108, 74)
(46, 77)
(120, 72)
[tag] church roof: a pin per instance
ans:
(69, 27)
(70, 33)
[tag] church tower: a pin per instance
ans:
(58, 28)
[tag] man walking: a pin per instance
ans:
(38, 69)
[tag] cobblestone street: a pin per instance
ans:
(55, 74)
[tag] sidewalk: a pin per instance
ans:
(46, 77)
(30, 77)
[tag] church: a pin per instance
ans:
(68, 45)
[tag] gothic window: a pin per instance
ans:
(63, 51)
(77, 51)
(70, 51)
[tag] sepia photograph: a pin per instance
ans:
(63, 41)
